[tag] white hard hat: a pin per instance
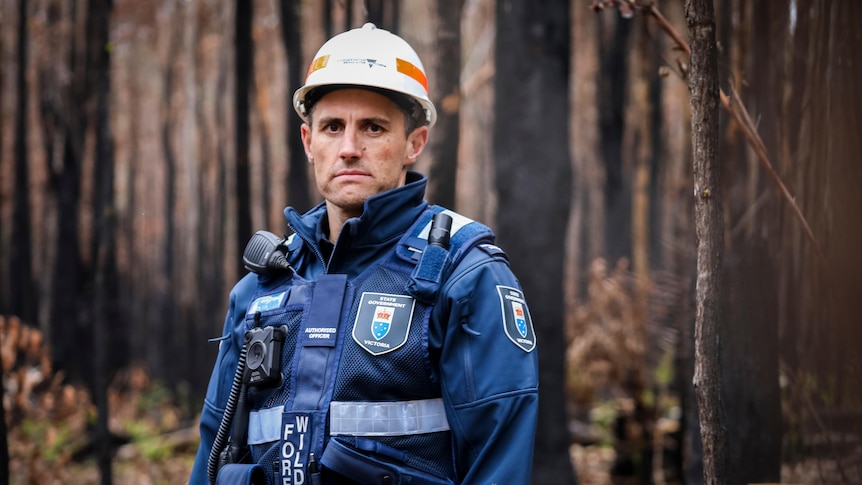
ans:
(370, 57)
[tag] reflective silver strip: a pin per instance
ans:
(387, 418)
(264, 425)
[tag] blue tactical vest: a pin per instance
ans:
(358, 394)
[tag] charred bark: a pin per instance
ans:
(709, 227)
(22, 292)
(244, 65)
(108, 328)
(443, 146)
(298, 194)
(531, 129)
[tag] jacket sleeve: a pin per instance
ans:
(222, 375)
(488, 372)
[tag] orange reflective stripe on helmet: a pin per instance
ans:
(409, 69)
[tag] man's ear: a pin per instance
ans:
(305, 133)
(416, 142)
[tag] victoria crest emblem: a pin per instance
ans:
(382, 321)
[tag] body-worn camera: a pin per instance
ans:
(263, 357)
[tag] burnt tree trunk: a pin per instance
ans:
(612, 90)
(4, 436)
(163, 345)
(244, 65)
(105, 319)
(533, 185)
(749, 331)
(298, 194)
(709, 227)
(383, 13)
(22, 291)
(69, 338)
(446, 92)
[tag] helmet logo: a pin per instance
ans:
(363, 60)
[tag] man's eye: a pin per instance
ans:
(375, 128)
(332, 127)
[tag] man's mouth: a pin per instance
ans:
(351, 173)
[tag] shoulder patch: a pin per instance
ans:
(516, 318)
(493, 251)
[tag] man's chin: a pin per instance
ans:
(353, 204)
(351, 194)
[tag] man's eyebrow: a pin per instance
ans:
(373, 120)
(328, 120)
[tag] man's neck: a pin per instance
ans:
(336, 218)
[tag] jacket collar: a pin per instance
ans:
(386, 216)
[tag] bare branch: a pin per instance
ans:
(734, 106)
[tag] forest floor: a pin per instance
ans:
(50, 431)
(130, 466)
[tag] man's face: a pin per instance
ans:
(358, 147)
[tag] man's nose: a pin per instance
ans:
(350, 144)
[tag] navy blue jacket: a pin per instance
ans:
(487, 372)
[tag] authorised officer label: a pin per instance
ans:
(516, 318)
(383, 322)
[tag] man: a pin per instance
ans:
(390, 343)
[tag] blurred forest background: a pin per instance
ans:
(142, 142)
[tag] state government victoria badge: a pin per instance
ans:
(516, 318)
(383, 322)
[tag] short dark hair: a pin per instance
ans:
(414, 115)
